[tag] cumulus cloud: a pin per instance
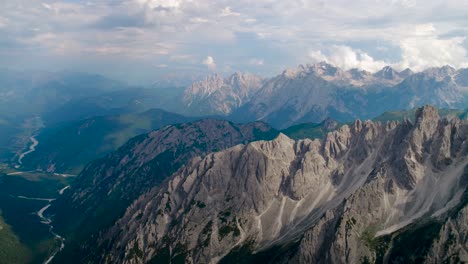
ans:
(421, 47)
(425, 49)
(347, 58)
(209, 62)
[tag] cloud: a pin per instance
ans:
(257, 62)
(347, 58)
(228, 12)
(165, 4)
(403, 33)
(426, 49)
(199, 20)
(420, 48)
(209, 62)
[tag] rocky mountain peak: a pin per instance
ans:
(325, 69)
(440, 73)
(321, 69)
(244, 80)
(237, 76)
(292, 73)
(206, 86)
(358, 74)
(218, 95)
(281, 138)
(330, 123)
(387, 73)
(406, 73)
(427, 113)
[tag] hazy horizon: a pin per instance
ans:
(140, 41)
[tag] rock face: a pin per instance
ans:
(218, 95)
(347, 198)
(451, 243)
(105, 188)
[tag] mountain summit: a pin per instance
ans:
(312, 93)
(218, 95)
(359, 193)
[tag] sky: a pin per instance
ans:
(141, 41)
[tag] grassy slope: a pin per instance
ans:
(12, 251)
(306, 130)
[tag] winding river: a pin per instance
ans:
(44, 219)
(32, 148)
(47, 221)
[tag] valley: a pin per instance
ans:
(24, 199)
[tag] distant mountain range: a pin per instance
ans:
(313, 93)
(309, 93)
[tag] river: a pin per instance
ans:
(32, 148)
(47, 221)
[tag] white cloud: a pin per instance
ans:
(160, 3)
(209, 62)
(421, 47)
(426, 49)
(347, 58)
(199, 20)
(47, 6)
(228, 12)
(258, 62)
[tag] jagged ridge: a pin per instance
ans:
(375, 178)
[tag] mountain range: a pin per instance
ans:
(362, 193)
(312, 93)
(243, 168)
